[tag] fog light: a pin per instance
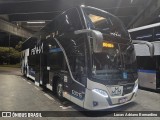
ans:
(95, 103)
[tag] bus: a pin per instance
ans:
(148, 67)
(86, 56)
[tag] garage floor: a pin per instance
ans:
(19, 94)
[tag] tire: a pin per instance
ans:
(25, 72)
(59, 90)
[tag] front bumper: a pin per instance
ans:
(95, 101)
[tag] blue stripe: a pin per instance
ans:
(55, 50)
(147, 71)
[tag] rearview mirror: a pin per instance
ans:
(97, 38)
(150, 45)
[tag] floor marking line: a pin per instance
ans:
(37, 88)
(28, 82)
(24, 79)
(48, 96)
(64, 108)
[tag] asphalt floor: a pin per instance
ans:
(18, 93)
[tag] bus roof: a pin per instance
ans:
(144, 27)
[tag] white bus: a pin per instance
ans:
(148, 67)
(86, 56)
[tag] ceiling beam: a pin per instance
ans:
(13, 29)
(126, 11)
(123, 11)
(31, 17)
(58, 5)
(41, 6)
(146, 15)
(18, 1)
(4, 17)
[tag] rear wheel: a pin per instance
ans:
(25, 71)
(59, 90)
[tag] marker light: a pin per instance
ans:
(108, 45)
(100, 92)
(35, 22)
(135, 88)
(82, 5)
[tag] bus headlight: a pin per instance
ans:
(100, 92)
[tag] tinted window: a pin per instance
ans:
(105, 22)
(55, 55)
(146, 35)
(30, 43)
(157, 34)
(74, 45)
(75, 50)
(34, 60)
(112, 62)
(69, 22)
(146, 63)
(56, 60)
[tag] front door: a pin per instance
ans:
(79, 80)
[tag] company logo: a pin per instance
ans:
(117, 91)
(21, 114)
(116, 34)
(6, 114)
(37, 49)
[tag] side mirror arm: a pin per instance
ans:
(97, 37)
(93, 32)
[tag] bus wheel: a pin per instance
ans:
(25, 71)
(59, 90)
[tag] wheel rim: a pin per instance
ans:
(59, 90)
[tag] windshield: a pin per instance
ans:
(117, 63)
(105, 23)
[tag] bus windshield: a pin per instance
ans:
(117, 63)
(105, 23)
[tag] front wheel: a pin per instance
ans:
(59, 90)
(25, 71)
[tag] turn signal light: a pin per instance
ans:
(108, 45)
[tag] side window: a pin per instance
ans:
(146, 35)
(156, 33)
(55, 56)
(142, 62)
(74, 45)
(74, 19)
(69, 22)
(76, 55)
(32, 42)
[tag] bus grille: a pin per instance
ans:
(128, 88)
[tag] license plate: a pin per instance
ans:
(123, 100)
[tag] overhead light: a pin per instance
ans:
(36, 22)
(82, 5)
